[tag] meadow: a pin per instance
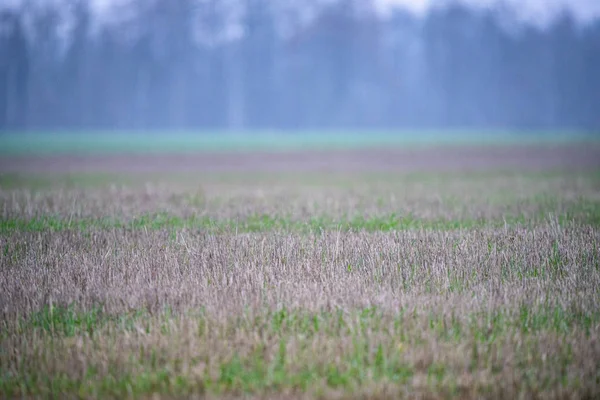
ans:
(320, 273)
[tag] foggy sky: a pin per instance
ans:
(536, 11)
(533, 11)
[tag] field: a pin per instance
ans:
(389, 270)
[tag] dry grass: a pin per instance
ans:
(493, 311)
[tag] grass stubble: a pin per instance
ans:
(491, 289)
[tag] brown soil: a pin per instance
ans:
(575, 157)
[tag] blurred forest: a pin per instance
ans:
(260, 64)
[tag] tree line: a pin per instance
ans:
(257, 64)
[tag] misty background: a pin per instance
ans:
(312, 64)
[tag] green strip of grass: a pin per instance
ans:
(585, 212)
(264, 223)
(69, 321)
(239, 375)
(181, 142)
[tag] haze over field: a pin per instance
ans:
(258, 64)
